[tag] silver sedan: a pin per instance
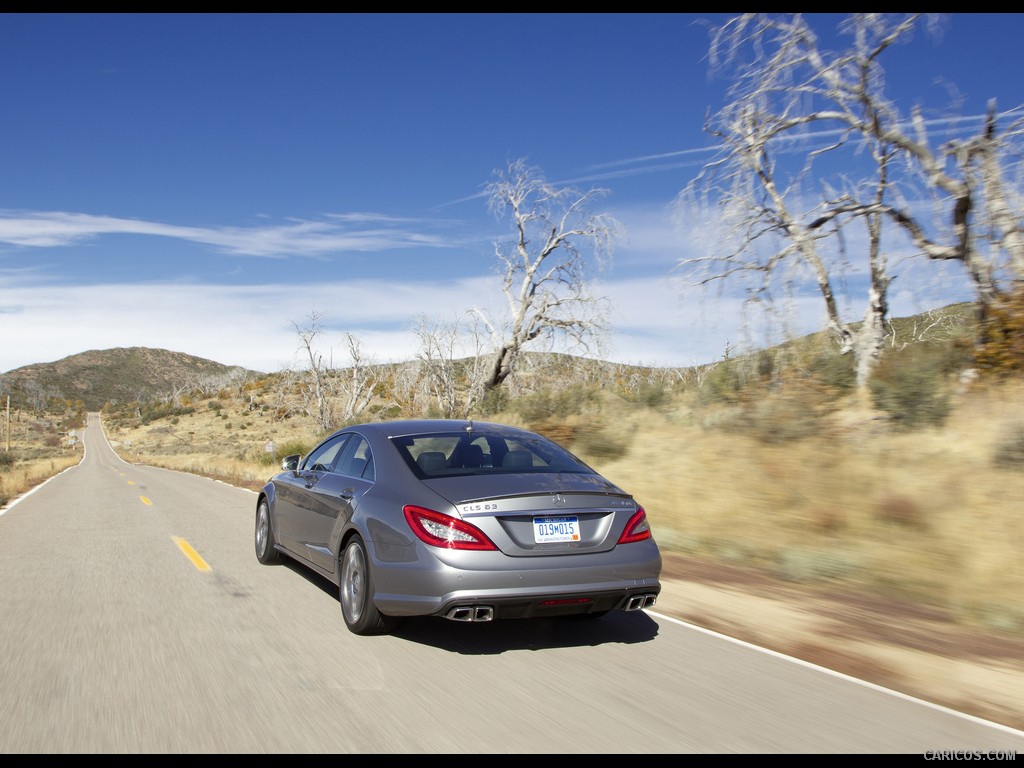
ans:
(469, 521)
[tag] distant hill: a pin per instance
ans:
(117, 375)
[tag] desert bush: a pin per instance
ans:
(909, 386)
(807, 566)
(1001, 348)
(555, 429)
(493, 401)
(155, 411)
(650, 394)
(902, 511)
(287, 448)
(540, 405)
(773, 419)
(603, 441)
(1009, 453)
(723, 384)
(835, 370)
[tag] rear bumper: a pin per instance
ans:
(551, 606)
(438, 583)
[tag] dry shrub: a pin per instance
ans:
(1009, 453)
(828, 520)
(560, 431)
(1001, 352)
(902, 511)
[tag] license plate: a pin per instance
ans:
(547, 530)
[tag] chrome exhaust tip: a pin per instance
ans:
(483, 613)
(474, 613)
(639, 602)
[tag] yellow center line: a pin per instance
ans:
(191, 554)
(146, 501)
(131, 482)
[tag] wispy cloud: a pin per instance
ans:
(941, 128)
(334, 233)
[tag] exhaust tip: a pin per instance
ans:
(474, 613)
(639, 602)
(483, 613)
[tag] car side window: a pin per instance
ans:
(322, 458)
(356, 460)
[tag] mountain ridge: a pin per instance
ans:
(116, 375)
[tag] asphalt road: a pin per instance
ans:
(134, 618)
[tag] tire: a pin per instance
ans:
(355, 593)
(266, 549)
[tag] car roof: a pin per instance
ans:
(399, 427)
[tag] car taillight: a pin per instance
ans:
(637, 529)
(439, 530)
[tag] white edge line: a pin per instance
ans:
(14, 502)
(848, 678)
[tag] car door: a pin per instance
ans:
(337, 493)
(296, 498)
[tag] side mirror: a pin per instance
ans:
(290, 463)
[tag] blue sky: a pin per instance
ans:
(204, 182)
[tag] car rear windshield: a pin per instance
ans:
(477, 453)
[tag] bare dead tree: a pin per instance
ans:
(784, 86)
(283, 400)
(317, 386)
(437, 341)
(785, 227)
(557, 240)
(453, 363)
(361, 379)
(174, 399)
(401, 386)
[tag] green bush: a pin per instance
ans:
(807, 566)
(493, 401)
(650, 395)
(835, 370)
(547, 403)
(284, 449)
(909, 386)
(155, 411)
(723, 384)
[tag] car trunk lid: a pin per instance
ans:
(556, 513)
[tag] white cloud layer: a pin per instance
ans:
(255, 326)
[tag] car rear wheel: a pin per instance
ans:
(266, 551)
(355, 592)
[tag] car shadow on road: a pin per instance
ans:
(491, 637)
(500, 636)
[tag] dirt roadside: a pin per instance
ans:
(916, 651)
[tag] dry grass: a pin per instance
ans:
(927, 515)
(22, 476)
